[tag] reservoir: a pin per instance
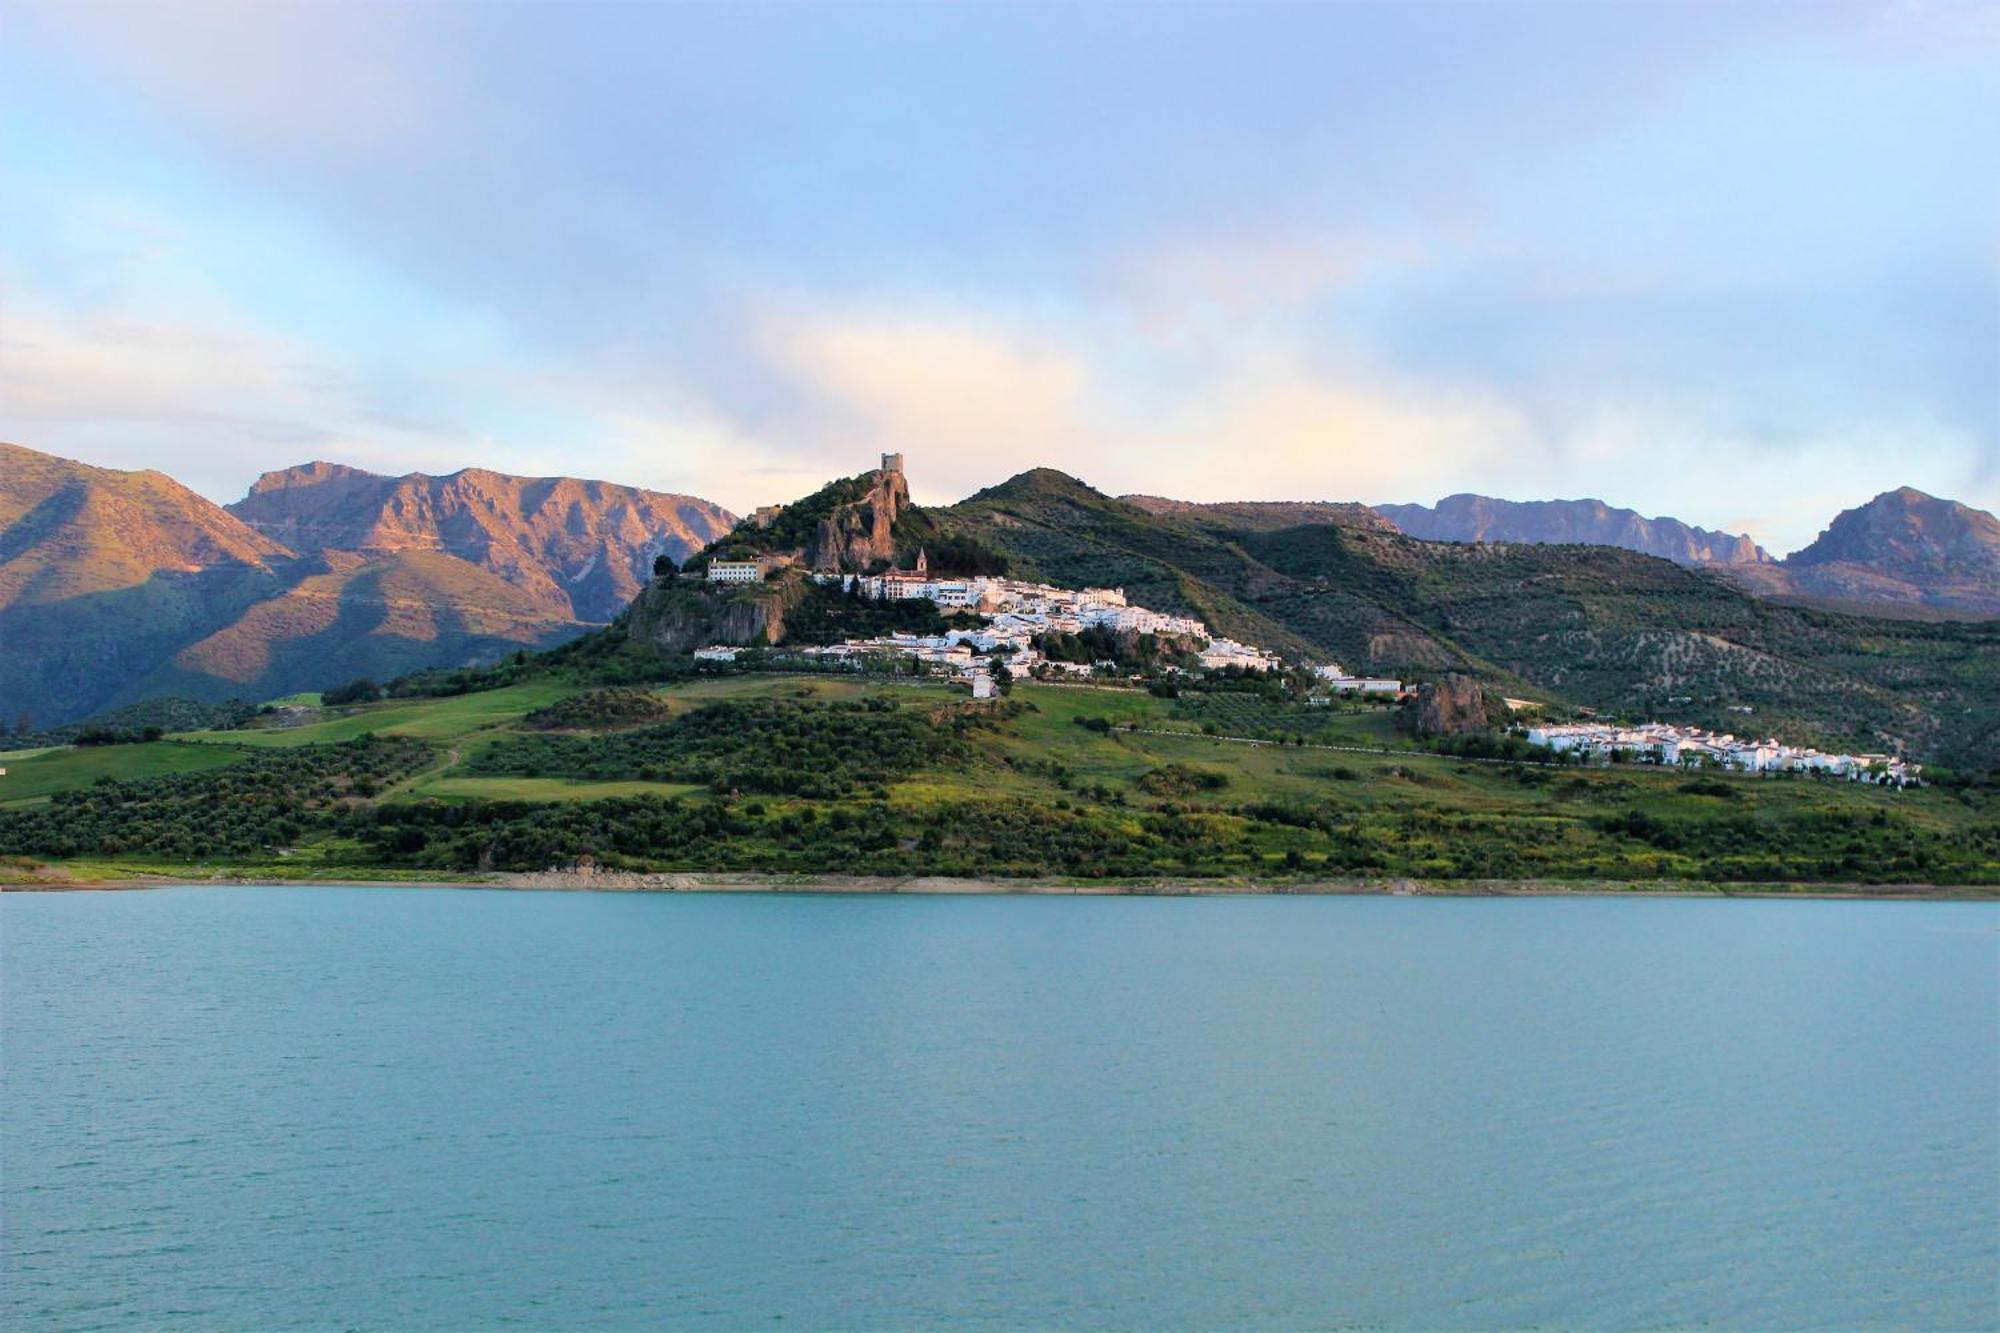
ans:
(283, 1108)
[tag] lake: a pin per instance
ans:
(415, 1109)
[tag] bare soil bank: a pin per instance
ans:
(53, 878)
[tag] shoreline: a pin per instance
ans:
(997, 886)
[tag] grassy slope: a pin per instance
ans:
(67, 768)
(1426, 806)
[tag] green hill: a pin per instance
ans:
(1595, 626)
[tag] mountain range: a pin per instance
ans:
(116, 586)
(121, 586)
(1481, 518)
(1902, 553)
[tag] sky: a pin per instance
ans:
(1738, 264)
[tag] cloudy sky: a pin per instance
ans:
(1733, 263)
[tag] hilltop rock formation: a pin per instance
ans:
(859, 534)
(847, 526)
(1903, 549)
(1481, 518)
(1451, 706)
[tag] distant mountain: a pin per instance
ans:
(1481, 518)
(1264, 515)
(120, 586)
(579, 549)
(1902, 552)
(104, 575)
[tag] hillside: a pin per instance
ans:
(1263, 515)
(121, 586)
(104, 574)
(579, 549)
(1481, 518)
(1903, 549)
(1596, 626)
(729, 772)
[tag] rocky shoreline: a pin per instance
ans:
(51, 879)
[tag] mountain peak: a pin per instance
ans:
(1908, 532)
(1904, 550)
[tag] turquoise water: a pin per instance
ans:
(409, 1109)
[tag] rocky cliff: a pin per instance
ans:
(860, 534)
(678, 615)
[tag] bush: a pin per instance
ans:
(359, 690)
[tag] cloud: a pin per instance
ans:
(972, 400)
(210, 404)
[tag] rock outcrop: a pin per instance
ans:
(1451, 707)
(859, 534)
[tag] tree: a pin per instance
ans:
(664, 567)
(24, 725)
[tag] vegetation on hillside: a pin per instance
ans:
(264, 801)
(599, 710)
(819, 775)
(776, 746)
(1611, 629)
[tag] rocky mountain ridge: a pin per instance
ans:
(1482, 518)
(580, 549)
(120, 586)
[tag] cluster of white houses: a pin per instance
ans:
(1014, 614)
(1665, 743)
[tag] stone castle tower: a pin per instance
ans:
(892, 463)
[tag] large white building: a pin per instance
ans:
(735, 571)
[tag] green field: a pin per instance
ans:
(430, 719)
(1073, 781)
(70, 767)
(447, 787)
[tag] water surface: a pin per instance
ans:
(412, 1109)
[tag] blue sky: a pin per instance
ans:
(1735, 263)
